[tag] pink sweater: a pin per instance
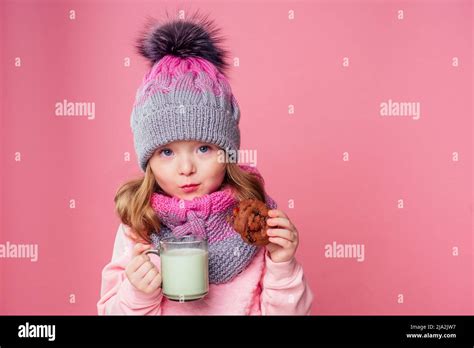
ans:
(263, 288)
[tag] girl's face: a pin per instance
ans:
(187, 162)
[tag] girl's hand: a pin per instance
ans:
(283, 236)
(141, 272)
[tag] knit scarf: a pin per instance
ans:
(206, 216)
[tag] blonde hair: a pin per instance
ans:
(132, 200)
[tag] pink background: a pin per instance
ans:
(299, 62)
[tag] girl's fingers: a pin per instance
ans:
(155, 283)
(137, 257)
(277, 213)
(282, 233)
(143, 269)
(139, 248)
(138, 261)
(148, 278)
(280, 222)
(285, 243)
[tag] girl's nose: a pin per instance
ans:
(186, 167)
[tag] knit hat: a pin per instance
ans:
(186, 94)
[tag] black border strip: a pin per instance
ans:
(288, 330)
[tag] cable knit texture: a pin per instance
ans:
(184, 99)
(205, 216)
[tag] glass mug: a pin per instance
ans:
(184, 267)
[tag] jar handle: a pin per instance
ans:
(153, 251)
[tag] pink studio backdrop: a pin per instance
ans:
(399, 186)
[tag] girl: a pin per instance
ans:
(184, 118)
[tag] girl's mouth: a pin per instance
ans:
(188, 189)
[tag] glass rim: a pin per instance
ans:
(169, 240)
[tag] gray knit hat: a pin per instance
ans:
(186, 94)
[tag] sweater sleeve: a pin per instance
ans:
(118, 295)
(284, 289)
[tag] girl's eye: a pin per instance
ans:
(204, 148)
(166, 151)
